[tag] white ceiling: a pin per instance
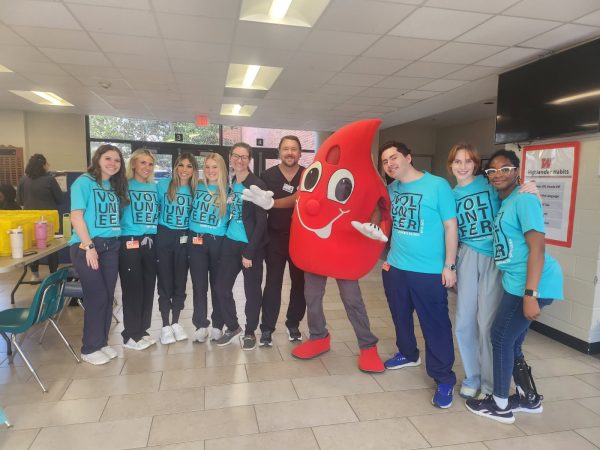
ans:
(398, 60)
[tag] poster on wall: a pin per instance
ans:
(555, 168)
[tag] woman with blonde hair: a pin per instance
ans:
(175, 196)
(137, 254)
(208, 224)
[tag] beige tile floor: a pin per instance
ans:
(198, 396)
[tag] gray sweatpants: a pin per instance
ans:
(314, 290)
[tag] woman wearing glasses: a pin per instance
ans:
(479, 285)
(175, 197)
(531, 280)
(243, 249)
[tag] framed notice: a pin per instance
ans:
(555, 169)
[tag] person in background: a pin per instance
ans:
(531, 279)
(243, 250)
(39, 190)
(137, 253)
(175, 197)
(208, 225)
(420, 267)
(8, 196)
(96, 199)
(283, 181)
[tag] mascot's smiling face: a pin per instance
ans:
(339, 187)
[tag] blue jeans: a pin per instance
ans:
(508, 333)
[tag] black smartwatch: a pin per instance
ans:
(87, 247)
(531, 293)
(452, 267)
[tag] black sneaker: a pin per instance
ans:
(294, 334)
(488, 408)
(519, 403)
(228, 337)
(265, 339)
(249, 342)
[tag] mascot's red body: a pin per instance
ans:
(341, 186)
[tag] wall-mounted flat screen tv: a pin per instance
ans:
(555, 96)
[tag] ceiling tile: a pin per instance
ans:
(57, 38)
(115, 20)
(134, 45)
(590, 19)
(302, 79)
(209, 8)
(347, 107)
(376, 66)
(129, 4)
(121, 60)
(367, 101)
(419, 95)
(14, 54)
(567, 34)
(338, 42)
(456, 52)
(471, 73)
(362, 16)
(179, 65)
(386, 93)
(502, 30)
(402, 48)
(48, 81)
(271, 36)
(434, 23)
(7, 36)
(37, 14)
(340, 90)
(260, 56)
(354, 79)
(563, 11)
(197, 51)
(403, 82)
(443, 85)
(195, 28)
(399, 102)
(484, 6)
(510, 57)
(44, 68)
(89, 71)
(428, 69)
(64, 56)
(319, 61)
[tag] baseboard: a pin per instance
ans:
(590, 348)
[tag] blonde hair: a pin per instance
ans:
(220, 198)
(134, 157)
(176, 181)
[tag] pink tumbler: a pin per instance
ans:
(41, 233)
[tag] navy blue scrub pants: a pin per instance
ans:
(98, 291)
(409, 291)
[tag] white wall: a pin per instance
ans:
(12, 128)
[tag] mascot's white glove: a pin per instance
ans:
(261, 198)
(370, 230)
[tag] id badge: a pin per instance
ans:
(197, 240)
(386, 266)
(131, 245)
(288, 188)
(183, 239)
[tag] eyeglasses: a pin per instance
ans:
(242, 157)
(503, 171)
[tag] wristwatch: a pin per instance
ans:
(452, 267)
(531, 293)
(87, 247)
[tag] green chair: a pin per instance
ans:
(46, 304)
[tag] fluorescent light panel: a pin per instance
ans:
(251, 73)
(43, 98)
(298, 13)
(4, 69)
(229, 109)
(243, 76)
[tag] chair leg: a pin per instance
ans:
(62, 336)
(46, 325)
(43, 333)
(14, 341)
(8, 346)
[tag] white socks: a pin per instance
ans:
(502, 403)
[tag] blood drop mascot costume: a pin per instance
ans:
(331, 234)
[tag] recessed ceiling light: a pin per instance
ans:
(4, 69)
(43, 98)
(298, 13)
(243, 76)
(229, 109)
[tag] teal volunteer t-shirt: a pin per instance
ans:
(174, 214)
(236, 230)
(520, 213)
(205, 217)
(100, 204)
(141, 215)
(476, 206)
(419, 209)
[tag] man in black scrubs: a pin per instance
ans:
(283, 180)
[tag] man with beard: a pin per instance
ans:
(283, 181)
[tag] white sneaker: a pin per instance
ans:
(167, 336)
(149, 339)
(139, 345)
(179, 332)
(109, 351)
(215, 334)
(97, 358)
(201, 334)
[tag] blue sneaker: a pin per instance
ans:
(398, 361)
(443, 396)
